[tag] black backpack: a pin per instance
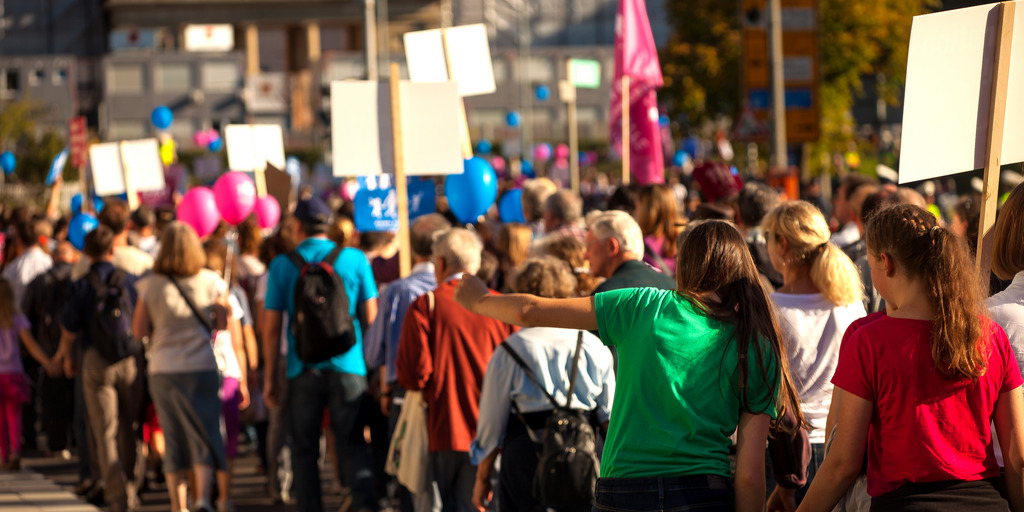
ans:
(568, 469)
(109, 324)
(322, 325)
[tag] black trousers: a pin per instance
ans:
(57, 405)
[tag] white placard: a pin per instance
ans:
(141, 157)
(469, 59)
(424, 54)
(464, 56)
(362, 138)
(251, 146)
(948, 93)
(209, 38)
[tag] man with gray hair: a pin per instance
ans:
(443, 351)
(615, 248)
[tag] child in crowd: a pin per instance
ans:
(918, 385)
(14, 384)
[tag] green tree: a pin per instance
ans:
(35, 148)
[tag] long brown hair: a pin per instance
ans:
(1008, 247)
(718, 263)
(657, 215)
(573, 251)
(7, 306)
(926, 251)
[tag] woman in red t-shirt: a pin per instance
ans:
(918, 386)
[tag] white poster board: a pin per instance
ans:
(251, 146)
(948, 93)
(362, 136)
(464, 56)
(140, 157)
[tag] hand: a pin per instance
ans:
(270, 392)
(69, 368)
(470, 290)
(385, 404)
(53, 367)
(482, 494)
(781, 500)
(244, 391)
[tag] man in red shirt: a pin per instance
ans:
(444, 351)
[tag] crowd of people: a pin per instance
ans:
(715, 344)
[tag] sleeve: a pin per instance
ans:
(855, 363)
(236, 307)
(277, 298)
(367, 283)
(616, 313)
(415, 363)
(605, 398)
(261, 287)
(21, 323)
(373, 341)
(495, 403)
(71, 317)
(1011, 369)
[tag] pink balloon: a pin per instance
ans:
(268, 212)
(498, 163)
(348, 190)
(200, 139)
(198, 208)
(542, 152)
(235, 194)
(562, 163)
(561, 151)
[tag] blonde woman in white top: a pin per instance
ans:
(820, 297)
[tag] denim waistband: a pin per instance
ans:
(663, 484)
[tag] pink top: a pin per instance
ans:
(10, 355)
(925, 427)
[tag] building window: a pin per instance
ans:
(221, 77)
(540, 70)
(126, 79)
(36, 77)
(60, 76)
(12, 81)
(174, 77)
(121, 129)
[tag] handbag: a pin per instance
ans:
(410, 445)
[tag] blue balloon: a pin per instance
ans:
(483, 147)
(215, 145)
(691, 145)
(583, 158)
(526, 168)
(663, 120)
(8, 162)
(76, 204)
(679, 159)
(80, 226)
(543, 92)
(513, 119)
(510, 206)
(162, 117)
(471, 193)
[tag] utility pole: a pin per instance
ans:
(779, 150)
(370, 26)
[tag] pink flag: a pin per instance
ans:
(637, 57)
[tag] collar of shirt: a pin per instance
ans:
(455, 276)
(426, 267)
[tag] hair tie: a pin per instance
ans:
(821, 246)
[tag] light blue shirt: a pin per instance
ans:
(549, 353)
(355, 272)
(381, 344)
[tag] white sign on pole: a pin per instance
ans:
(361, 128)
(948, 93)
(141, 157)
(209, 38)
(460, 53)
(252, 146)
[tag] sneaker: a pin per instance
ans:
(84, 487)
(14, 464)
(225, 506)
(201, 506)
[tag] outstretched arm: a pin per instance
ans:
(526, 310)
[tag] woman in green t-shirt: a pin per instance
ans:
(695, 365)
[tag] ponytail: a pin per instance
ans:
(835, 275)
(926, 251)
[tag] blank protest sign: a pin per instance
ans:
(948, 93)
(251, 146)
(459, 53)
(141, 157)
(361, 128)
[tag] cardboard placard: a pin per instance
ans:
(461, 54)
(252, 146)
(142, 159)
(946, 113)
(279, 186)
(362, 135)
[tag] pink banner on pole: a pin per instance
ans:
(637, 57)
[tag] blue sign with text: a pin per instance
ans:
(376, 207)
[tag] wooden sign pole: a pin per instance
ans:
(467, 143)
(260, 171)
(994, 147)
(401, 187)
(625, 130)
(574, 138)
(129, 189)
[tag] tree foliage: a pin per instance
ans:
(35, 148)
(702, 60)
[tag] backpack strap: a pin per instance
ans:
(195, 311)
(333, 255)
(98, 286)
(529, 373)
(296, 258)
(575, 369)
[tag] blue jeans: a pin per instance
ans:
(342, 395)
(669, 494)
